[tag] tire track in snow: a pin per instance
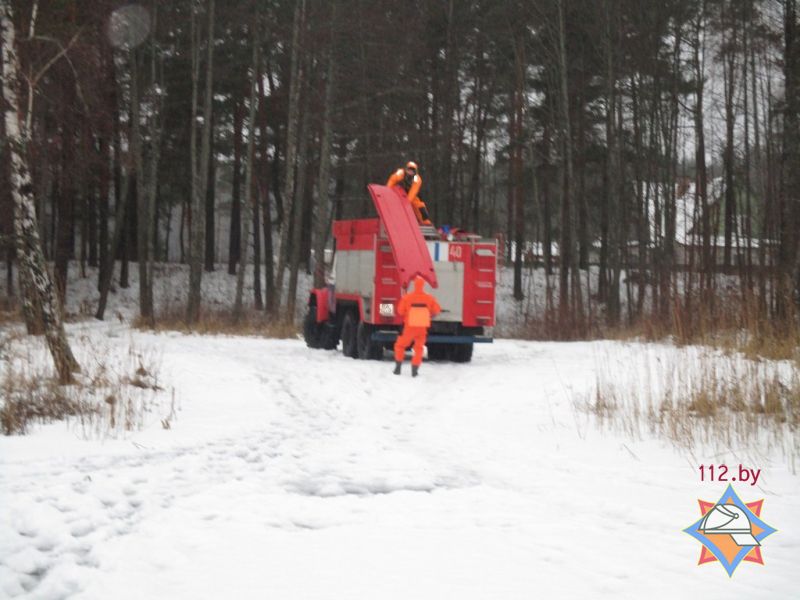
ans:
(325, 436)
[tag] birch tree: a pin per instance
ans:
(26, 226)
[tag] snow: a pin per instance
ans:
(295, 473)
(298, 473)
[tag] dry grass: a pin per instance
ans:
(108, 397)
(707, 399)
(9, 311)
(27, 398)
(223, 322)
(726, 318)
(736, 323)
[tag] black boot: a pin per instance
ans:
(397, 366)
(414, 370)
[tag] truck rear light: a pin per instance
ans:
(386, 309)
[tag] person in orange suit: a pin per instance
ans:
(409, 179)
(416, 308)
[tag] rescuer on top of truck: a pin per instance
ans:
(416, 308)
(410, 181)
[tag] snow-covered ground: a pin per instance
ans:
(297, 473)
(294, 473)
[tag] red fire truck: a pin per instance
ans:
(374, 261)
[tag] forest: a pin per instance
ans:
(592, 267)
(654, 144)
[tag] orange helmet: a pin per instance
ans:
(411, 167)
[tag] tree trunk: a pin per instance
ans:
(258, 298)
(147, 181)
(516, 163)
(128, 227)
(568, 219)
(789, 285)
(610, 217)
(210, 254)
(297, 216)
(103, 190)
(236, 225)
(263, 194)
(700, 147)
(200, 180)
(63, 201)
(26, 227)
(90, 221)
(145, 291)
(248, 182)
(323, 199)
(296, 75)
(107, 275)
(729, 75)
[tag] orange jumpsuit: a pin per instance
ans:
(420, 210)
(416, 308)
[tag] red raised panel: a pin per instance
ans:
(408, 246)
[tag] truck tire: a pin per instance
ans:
(461, 353)
(349, 335)
(367, 349)
(329, 338)
(312, 331)
(438, 351)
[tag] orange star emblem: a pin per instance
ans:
(730, 530)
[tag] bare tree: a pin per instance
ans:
(299, 210)
(250, 204)
(147, 177)
(236, 224)
(569, 257)
(292, 211)
(790, 220)
(323, 184)
(200, 180)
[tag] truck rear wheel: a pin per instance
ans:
(349, 335)
(438, 351)
(367, 349)
(461, 353)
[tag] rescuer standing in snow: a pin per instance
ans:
(416, 308)
(410, 181)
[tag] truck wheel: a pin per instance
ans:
(437, 352)
(312, 331)
(349, 335)
(367, 349)
(461, 353)
(328, 339)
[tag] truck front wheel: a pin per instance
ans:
(349, 335)
(312, 331)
